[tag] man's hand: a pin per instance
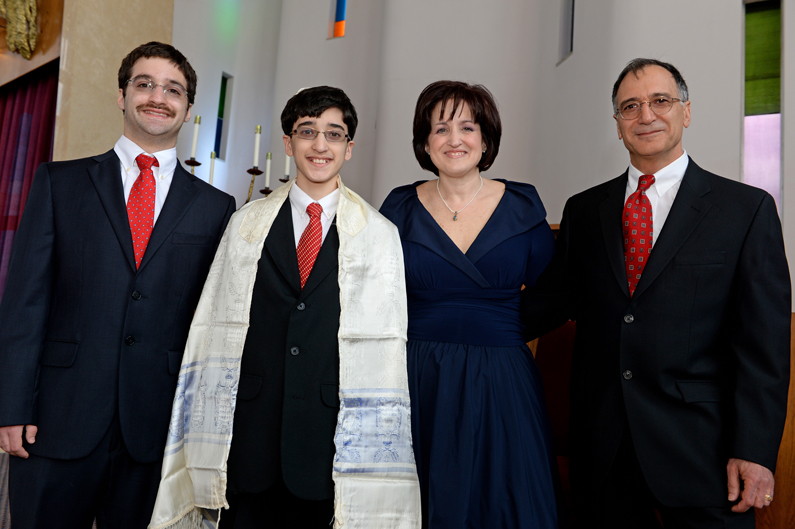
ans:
(758, 484)
(11, 439)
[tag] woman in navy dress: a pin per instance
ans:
(479, 422)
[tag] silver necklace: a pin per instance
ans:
(455, 213)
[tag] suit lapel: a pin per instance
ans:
(181, 195)
(280, 244)
(106, 177)
(610, 216)
(688, 209)
(325, 263)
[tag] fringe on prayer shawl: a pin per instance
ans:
(375, 477)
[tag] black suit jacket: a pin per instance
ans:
(287, 402)
(696, 362)
(83, 334)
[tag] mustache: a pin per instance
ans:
(150, 106)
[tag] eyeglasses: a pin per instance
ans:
(143, 85)
(333, 136)
(660, 106)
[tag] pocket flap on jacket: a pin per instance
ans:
(59, 354)
(192, 238)
(701, 258)
(699, 390)
(249, 387)
(330, 393)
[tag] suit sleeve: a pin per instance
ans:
(546, 304)
(26, 303)
(761, 342)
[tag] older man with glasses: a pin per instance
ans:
(105, 273)
(679, 284)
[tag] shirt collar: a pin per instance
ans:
(665, 178)
(127, 151)
(300, 200)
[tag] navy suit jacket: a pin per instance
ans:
(288, 399)
(696, 363)
(83, 334)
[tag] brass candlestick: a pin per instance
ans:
(254, 172)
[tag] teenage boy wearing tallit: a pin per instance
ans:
(292, 407)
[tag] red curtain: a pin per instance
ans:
(27, 125)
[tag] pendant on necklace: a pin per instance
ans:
(455, 216)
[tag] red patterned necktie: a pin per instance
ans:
(141, 205)
(309, 244)
(637, 232)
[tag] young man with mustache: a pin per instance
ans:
(106, 270)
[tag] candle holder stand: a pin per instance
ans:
(193, 164)
(254, 172)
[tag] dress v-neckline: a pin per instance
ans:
(447, 236)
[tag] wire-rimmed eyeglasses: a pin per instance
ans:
(144, 85)
(332, 135)
(658, 105)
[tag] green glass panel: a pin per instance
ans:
(223, 97)
(763, 58)
(763, 96)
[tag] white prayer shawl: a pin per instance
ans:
(375, 477)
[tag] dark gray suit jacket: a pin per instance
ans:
(696, 362)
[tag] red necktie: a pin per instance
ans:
(141, 206)
(638, 227)
(309, 244)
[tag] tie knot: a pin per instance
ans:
(314, 209)
(645, 181)
(145, 162)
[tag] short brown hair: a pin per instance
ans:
(161, 51)
(484, 112)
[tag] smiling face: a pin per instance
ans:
(151, 119)
(455, 143)
(653, 141)
(318, 161)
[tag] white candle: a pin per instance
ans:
(212, 166)
(268, 170)
(257, 135)
(196, 123)
(287, 167)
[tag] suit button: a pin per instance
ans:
(627, 374)
(629, 318)
(136, 295)
(294, 351)
(129, 340)
(301, 306)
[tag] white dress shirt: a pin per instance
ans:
(128, 151)
(662, 192)
(299, 202)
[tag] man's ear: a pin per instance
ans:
(348, 150)
(120, 100)
(187, 115)
(618, 127)
(288, 146)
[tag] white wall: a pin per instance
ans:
(558, 130)
(239, 38)
(306, 58)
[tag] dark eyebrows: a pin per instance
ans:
(305, 123)
(652, 96)
(150, 78)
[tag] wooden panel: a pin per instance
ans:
(48, 43)
(781, 513)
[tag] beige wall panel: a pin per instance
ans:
(96, 36)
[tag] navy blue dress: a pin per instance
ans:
(479, 422)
